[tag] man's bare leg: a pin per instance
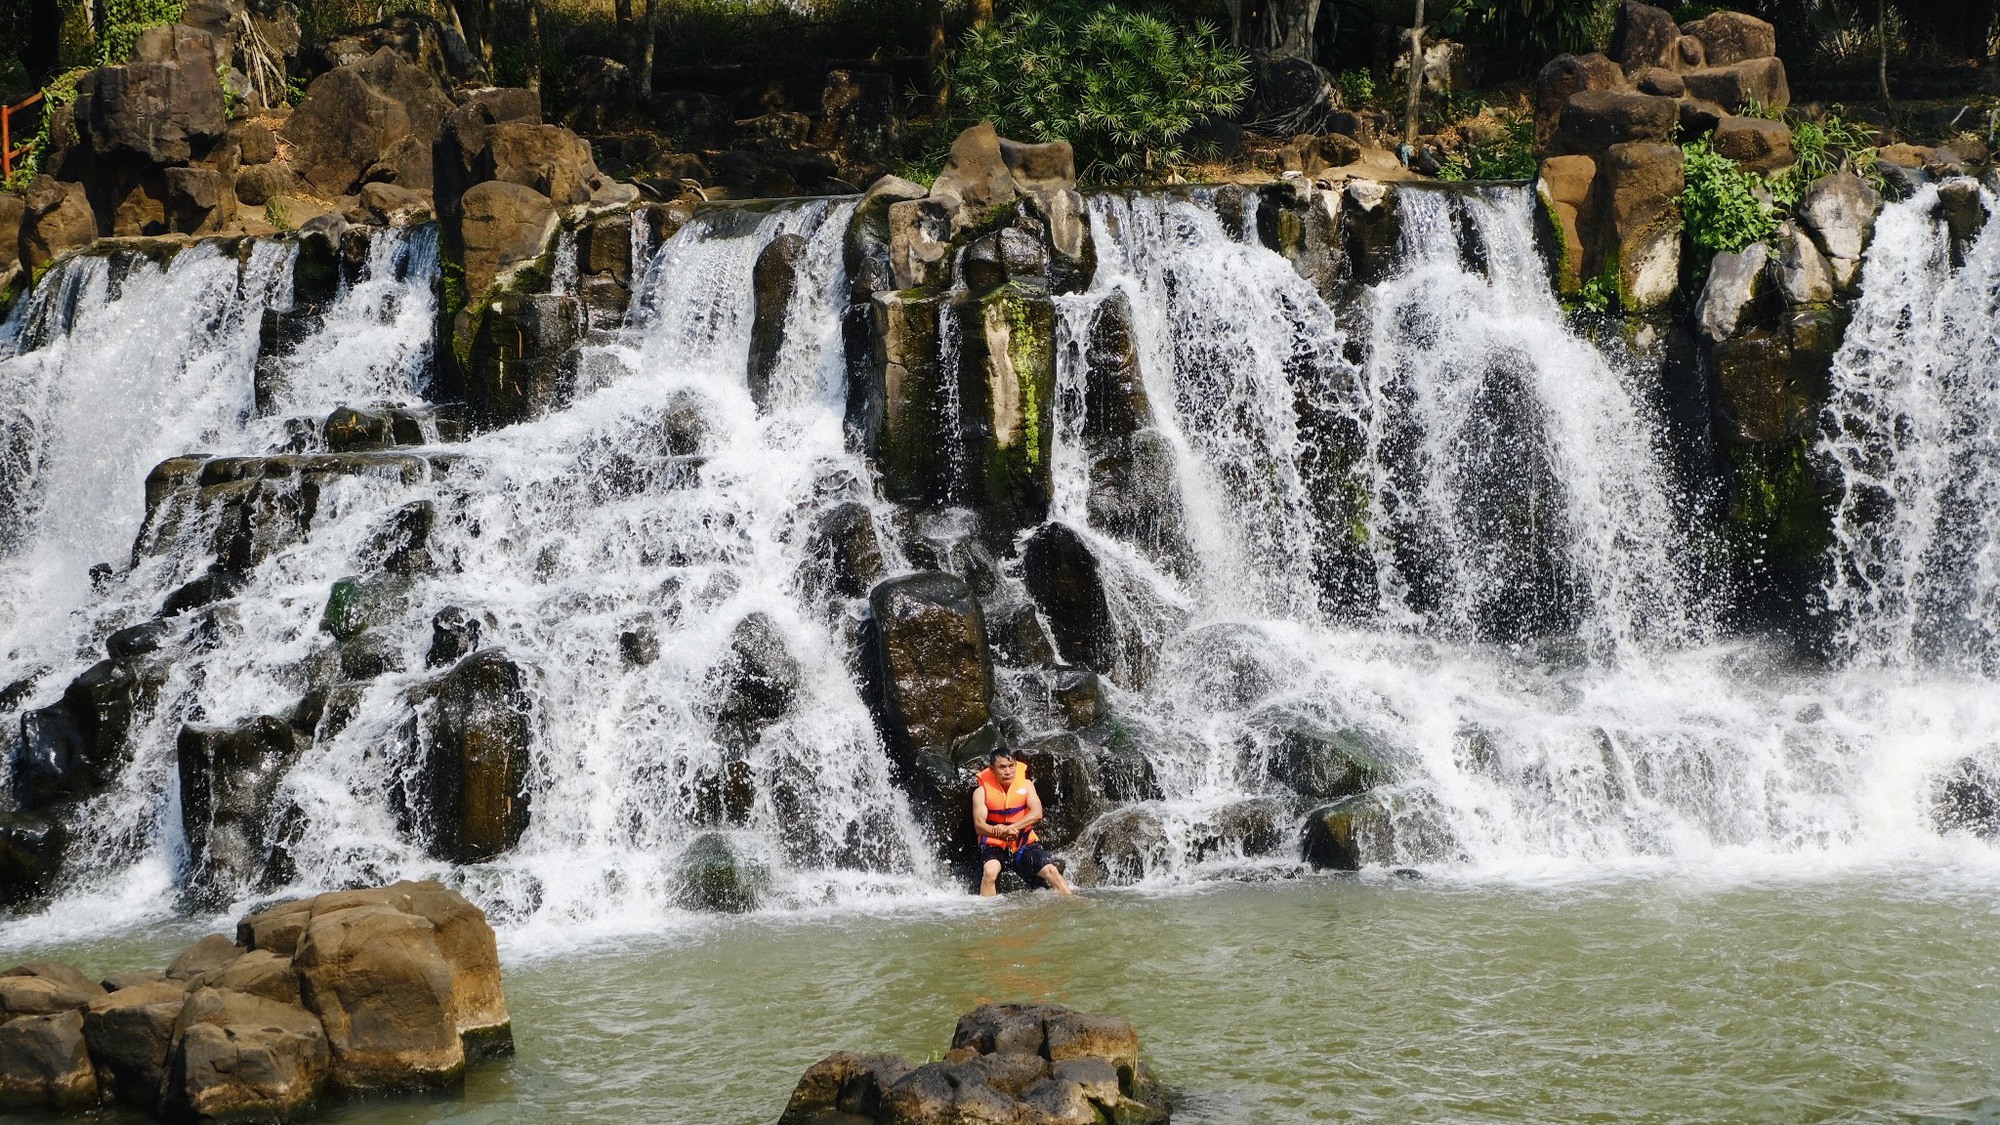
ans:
(1053, 876)
(987, 877)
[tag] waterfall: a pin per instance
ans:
(1913, 429)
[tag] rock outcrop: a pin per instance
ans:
(1025, 1064)
(394, 988)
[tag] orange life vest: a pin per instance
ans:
(1006, 804)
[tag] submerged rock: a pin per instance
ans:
(715, 876)
(1009, 1064)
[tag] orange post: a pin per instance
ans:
(7, 149)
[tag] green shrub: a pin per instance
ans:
(1121, 85)
(1357, 87)
(1720, 205)
(125, 19)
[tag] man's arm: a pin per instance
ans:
(1034, 810)
(979, 825)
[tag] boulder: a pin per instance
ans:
(259, 972)
(1061, 572)
(255, 143)
(503, 225)
(932, 667)
(1839, 211)
(393, 205)
(1065, 774)
(774, 280)
(13, 215)
(276, 929)
(1594, 120)
(59, 220)
(77, 746)
(548, 158)
(976, 173)
(229, 782)
(1758, 144)
(240, 1057)
(1732, 286)
(1758, 395)
(1739, 85)
(45, 1064)
(1643, 37)
(384, 993)
(843, 551)
(131, 1034)
(1643, 183)
(1566, 75)
(467, 941)
(475, 743)
(1329, 841)
(844, 1083)
(714, 876)
(1662, 82)
(524, 348)
(43, 989)
(1732, 37)
(1317, 761)
(1802, 274)
(160, 107)
(759, 680)
(355, 115)
(425, 42)
(454, 633)
(32, 846)
(207, 955)
(919, 235)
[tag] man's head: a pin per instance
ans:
(1005, 765)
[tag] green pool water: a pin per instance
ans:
(1848, 997)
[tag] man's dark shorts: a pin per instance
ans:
(1027, 863)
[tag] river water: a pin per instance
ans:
(1849, 995)
(1630, 867)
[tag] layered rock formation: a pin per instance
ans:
(354, 992)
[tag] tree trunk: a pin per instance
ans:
(1416, 76)
(648, 40)
(982, 12)
(935, 54)
(486, 33)
(535, 45)
(1882, 47)
(1274, 29)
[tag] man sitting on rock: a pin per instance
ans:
(1005, 808)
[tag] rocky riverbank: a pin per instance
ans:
(350, 993)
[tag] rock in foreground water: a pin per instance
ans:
(369, 991)
(1017, 1064)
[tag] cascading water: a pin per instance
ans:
(1424, 523)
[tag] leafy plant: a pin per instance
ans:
(1540, 27)
(1122, 85)
(125, 19)
(1598, 295)
(1357, 87)
(58, 94)
(1512, 157)
(1720, 206)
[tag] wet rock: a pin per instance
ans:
(933, 669)
(1007, 399)
(1370, 230)
(1328, 841)
(1079, 697)
(229, 779)
(45, 1064)
(474, 744)
(843, 552)
(844, 1083)
(1562, 77)
(77, 746)
(1839, 211)
(1759, 398)
(1643, 37)
(1758, 144)
(358, 604)
(130, 1033)
(1963, 212)
(32, 847)
(1061, 572)
(715, 876)
(1115, 399)
(1967, 799)
(1736, 87)
(759, 682)
(1064, 771)
(239, 1057)
(1119, 847)
(523, 361)
(774, 280)
(351, 431)
(639, 646)
(1732, 37)
(384, 994)
(1135, 496)
(355, 115)
(1314, 759)
(1565, 185)
(867, 247)
(135, 641)
(454, 633)
(403, 542)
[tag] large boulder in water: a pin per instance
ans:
(475, 740)
(32, 847)
(774, 281)
(1061, 572)
(932, 669)
(759, 680)
(45, 1064)
(379, 984)
(131, 1035)
(239, 1057)
(714, 875)
(79, 745)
